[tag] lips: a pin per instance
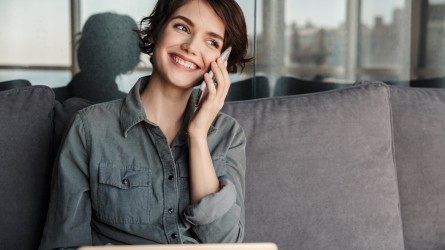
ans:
(185, 63)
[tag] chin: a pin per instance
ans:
(186, 82)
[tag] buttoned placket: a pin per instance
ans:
(171, 189)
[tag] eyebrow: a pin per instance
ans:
(189, 22)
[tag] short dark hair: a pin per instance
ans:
(228, 10)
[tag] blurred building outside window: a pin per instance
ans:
(434, 62)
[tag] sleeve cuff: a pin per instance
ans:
(212, 206)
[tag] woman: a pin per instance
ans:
(150, 168)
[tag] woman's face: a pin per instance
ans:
(191, 40)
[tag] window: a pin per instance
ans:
(336, 41)
(35, 45)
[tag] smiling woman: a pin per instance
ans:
(150, 168)
(236, 32)
(190, 41)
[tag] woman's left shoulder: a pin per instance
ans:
(226, 122)
(224, 133)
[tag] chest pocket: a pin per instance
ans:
(124, 194)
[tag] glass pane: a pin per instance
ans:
(313, 34)
(35, 33)
(300, 39)
(136, 10)
(35, 45)
(384, 46)
(435, 40)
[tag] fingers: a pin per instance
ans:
(218, 87)
(222, 79)
(214, 101)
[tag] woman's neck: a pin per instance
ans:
(164, 105)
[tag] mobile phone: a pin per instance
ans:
(203, 91)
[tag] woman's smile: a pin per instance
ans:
(184, 63)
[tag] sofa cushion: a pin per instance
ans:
(320, 170)
(26, 129)
(63, 113)
(419, 137)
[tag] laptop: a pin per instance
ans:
(220, 246)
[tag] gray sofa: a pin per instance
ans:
(355, 168)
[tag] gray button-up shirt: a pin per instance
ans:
(116, 180)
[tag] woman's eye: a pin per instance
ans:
(213, 43)
(181, 27)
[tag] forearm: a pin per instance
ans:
(203, 179)
(219, 216)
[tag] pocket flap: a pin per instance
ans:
(124, 178)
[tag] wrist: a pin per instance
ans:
(194, 132)
(197, 137)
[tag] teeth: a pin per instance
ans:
(185, 63)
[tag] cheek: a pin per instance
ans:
(209, 58)
(167, 38)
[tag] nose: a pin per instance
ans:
(190, 45)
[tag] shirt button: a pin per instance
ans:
(124, 181)
(170, 210)
(171, 177)
(174, 235)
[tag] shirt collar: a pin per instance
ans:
(133, 112)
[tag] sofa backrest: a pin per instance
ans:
(320, 170)
(419, 136)
(26, 146)
(31, 128)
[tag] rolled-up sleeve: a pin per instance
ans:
(219, 217)
(69, 214)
